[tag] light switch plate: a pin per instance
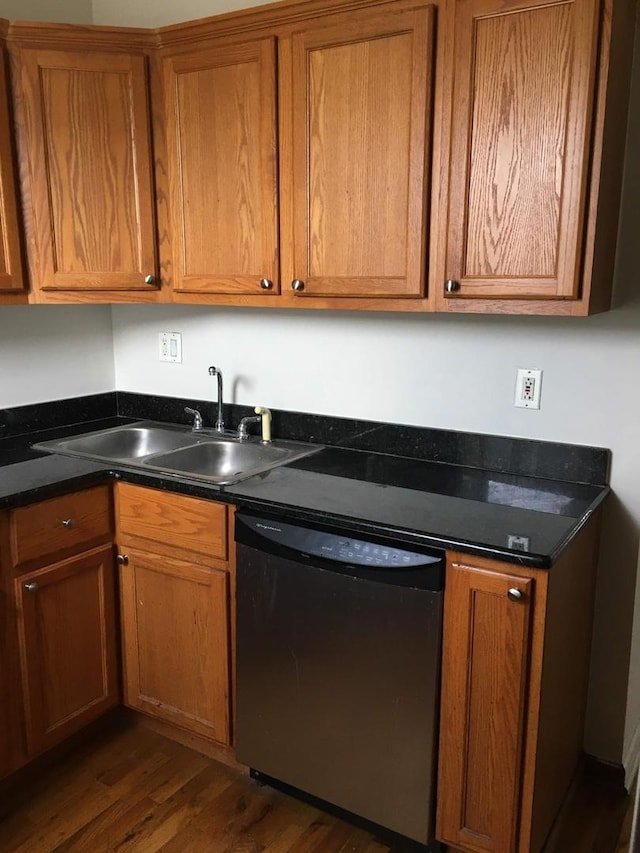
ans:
(170, 344)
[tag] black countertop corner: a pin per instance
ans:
(511, 499)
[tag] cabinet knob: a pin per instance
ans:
(122, 560)
(515, 594)
(451, 286)
(150, 279)
(67, 522)
(266, 284)
(31, 587)
(297, 285)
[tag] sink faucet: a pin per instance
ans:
(215, 371)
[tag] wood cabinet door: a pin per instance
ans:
(222, 168)
(11, 273)
(67, 627)
(87, 139)
(484, 681)
(521, 80)
(176, 642)
(355, 95)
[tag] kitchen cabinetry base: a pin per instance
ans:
(205, 746)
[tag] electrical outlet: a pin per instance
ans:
(170, 344)
(528, 386)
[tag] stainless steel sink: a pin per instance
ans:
(123, 444)
(227, 460)
(219, 459)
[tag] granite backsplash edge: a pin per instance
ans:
(522, 456)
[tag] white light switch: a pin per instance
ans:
(170, 347)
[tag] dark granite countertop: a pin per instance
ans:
(512, 517)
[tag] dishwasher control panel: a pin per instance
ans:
(338, 547)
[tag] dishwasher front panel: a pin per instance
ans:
(338, 685)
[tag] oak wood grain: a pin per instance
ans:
(485, 675)
(176, 642)
(355, 106)
(48, 530)
(521, 80)
(66, 628)
(170, 523)
(12, 276)
(86, 125)
(222, 167)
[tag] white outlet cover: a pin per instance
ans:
(528, 388)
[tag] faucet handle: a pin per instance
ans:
(197, 417)
(266, 422)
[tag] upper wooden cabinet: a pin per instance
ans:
(87, 170)
(351, 142)
(414, 155)
(11, 272)
(222, 166)
(356, 95)
(521, 154)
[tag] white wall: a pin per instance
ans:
(159, 13)
(50, 352)
(441, 371)
(62, 11)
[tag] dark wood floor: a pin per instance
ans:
(131, 789)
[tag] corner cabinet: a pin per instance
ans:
(526, 87)
(84, 127)
(12, 281)
(59, 568)
(175, 589)
(514, 680)
(338, 109)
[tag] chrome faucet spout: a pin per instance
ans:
(215, 371)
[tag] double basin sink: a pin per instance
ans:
(219, 458)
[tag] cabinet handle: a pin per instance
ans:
(297, 285)
(67, 522)
(31, 587)
(122, 560)
(451, 286)
(266, 284)
(149, 279)
(515, 594)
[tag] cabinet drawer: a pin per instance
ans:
(171, 520)
(60, 526)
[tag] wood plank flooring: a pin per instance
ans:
(131, 789)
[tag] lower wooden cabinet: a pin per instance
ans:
(515, 670)
(175, 633)
(58, 648)
(488, 616)
(67, 635)
(175, 588)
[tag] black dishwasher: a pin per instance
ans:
(338, 667)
